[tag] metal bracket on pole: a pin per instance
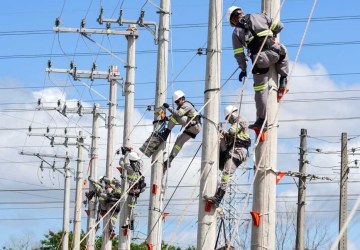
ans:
(145, 24)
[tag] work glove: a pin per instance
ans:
(125, 149)
(242, 75)
(165, 105)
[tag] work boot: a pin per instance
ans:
(282, 88)
(164, 135)
(90, 195)
(112, 234)
(217, 198)
(258, 124)
(165, 164)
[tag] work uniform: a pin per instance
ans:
(250, 33)
(137, 183)
(114, 194)
(234, 145)
(108, 193)
(183, 115)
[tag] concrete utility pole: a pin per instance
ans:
(78, 195)
(110, 152)
(301, 192)
(66, 219)
(343, 191)
(156, 196)
(210, 146)
(67, 175)
(125, 238)
(264, 190)
(93, 174)
(112, 76)
(106, 244)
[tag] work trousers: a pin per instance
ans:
(235, 158)
(265, 60)
(184, 137)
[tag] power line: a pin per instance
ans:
(190, 25)
(140, 52)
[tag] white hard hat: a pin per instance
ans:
(229, 110)
(230, 11)
(177, 95)
(101, 177)
(133, 156)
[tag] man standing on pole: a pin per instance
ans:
(256, 32)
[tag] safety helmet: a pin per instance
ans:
(229, 110)
(133, 156)
(230, 11)
(101, 178)
(177, 95)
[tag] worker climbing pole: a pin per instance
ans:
(107, 193)
(257, 33)
(234, 145)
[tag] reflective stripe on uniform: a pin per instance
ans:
(265, 33)
(261, 34)
(131, 176)
(177, 147)
(274, 24)
(131, 205)
(261, 86)
(240, 134)
(182, 111)
(225, 178)
(238, 51)
(173, 119)
(193, 114)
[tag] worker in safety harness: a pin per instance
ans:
(257, 33)
(133, 165)
(186, 115)
(108, 193)
(234, 146)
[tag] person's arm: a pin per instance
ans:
(276, 26)
(238, 42)
(185, 108)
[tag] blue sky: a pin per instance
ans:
(27, 41)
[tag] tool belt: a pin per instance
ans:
(242, 144)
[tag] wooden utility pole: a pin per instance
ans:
(301, 192)
(154, 238)
(264, 190)
(93, 175)
(343, 191)
(206, 234)
(79, 189)
(125, 238)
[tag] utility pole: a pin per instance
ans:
(264, 189)
(112, 76)
(93, 175)
(78, 195)
(125, 238)
(156, 197)
(110, 152)
(67, 175)
(210, 146)
(343, 191)
(66, 219)
(301, 192)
